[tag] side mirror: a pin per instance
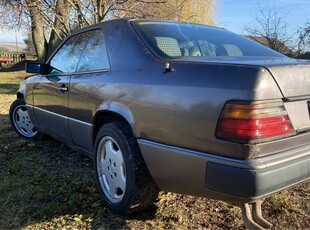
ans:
(39, 68)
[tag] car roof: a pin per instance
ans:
(122, 21)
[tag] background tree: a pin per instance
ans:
(304, 38)
(52, 20)
(269, 27)
(29, 43)
(198, 11)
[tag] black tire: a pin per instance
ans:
(20, 121)
(140, 191)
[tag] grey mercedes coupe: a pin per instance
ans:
(185, 108)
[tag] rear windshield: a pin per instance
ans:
(179, 40)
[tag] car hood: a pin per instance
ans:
(291, 75)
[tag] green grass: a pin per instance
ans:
(46, 185)
(8, 88)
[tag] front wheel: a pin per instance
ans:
(124, 181)
(20, 121)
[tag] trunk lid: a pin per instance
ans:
(292, 78)
(291, 75)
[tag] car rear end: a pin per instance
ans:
(244, 145)
(276, 133)
(249, 137)
(209, 115)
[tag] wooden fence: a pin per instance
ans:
(8, 59)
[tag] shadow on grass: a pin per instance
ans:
(8, 88)
(48, 185)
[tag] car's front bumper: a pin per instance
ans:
(208, 175)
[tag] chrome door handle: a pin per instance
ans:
(63, 89)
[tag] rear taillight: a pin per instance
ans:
(254, 121)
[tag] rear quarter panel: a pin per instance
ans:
(183, 107)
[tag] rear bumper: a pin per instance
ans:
(253, 184)
(207, 175)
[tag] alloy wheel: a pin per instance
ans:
(111, 169)
(22, 122)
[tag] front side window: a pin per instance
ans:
(181, 40)
(82, 53)
(66, 59)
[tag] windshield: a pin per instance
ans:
(181, 40)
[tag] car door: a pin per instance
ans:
(87, 87)
(51, 91)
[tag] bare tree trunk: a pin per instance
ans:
(101, 9)
(60, 26)
(79, 13)
(37, 29)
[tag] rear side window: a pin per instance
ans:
(95, 55)
(179, 40)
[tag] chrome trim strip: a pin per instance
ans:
(92, 71)
(255, 164)
(82, 122)
(296, 98)
(56, 114)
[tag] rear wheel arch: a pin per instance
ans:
(105, 116)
